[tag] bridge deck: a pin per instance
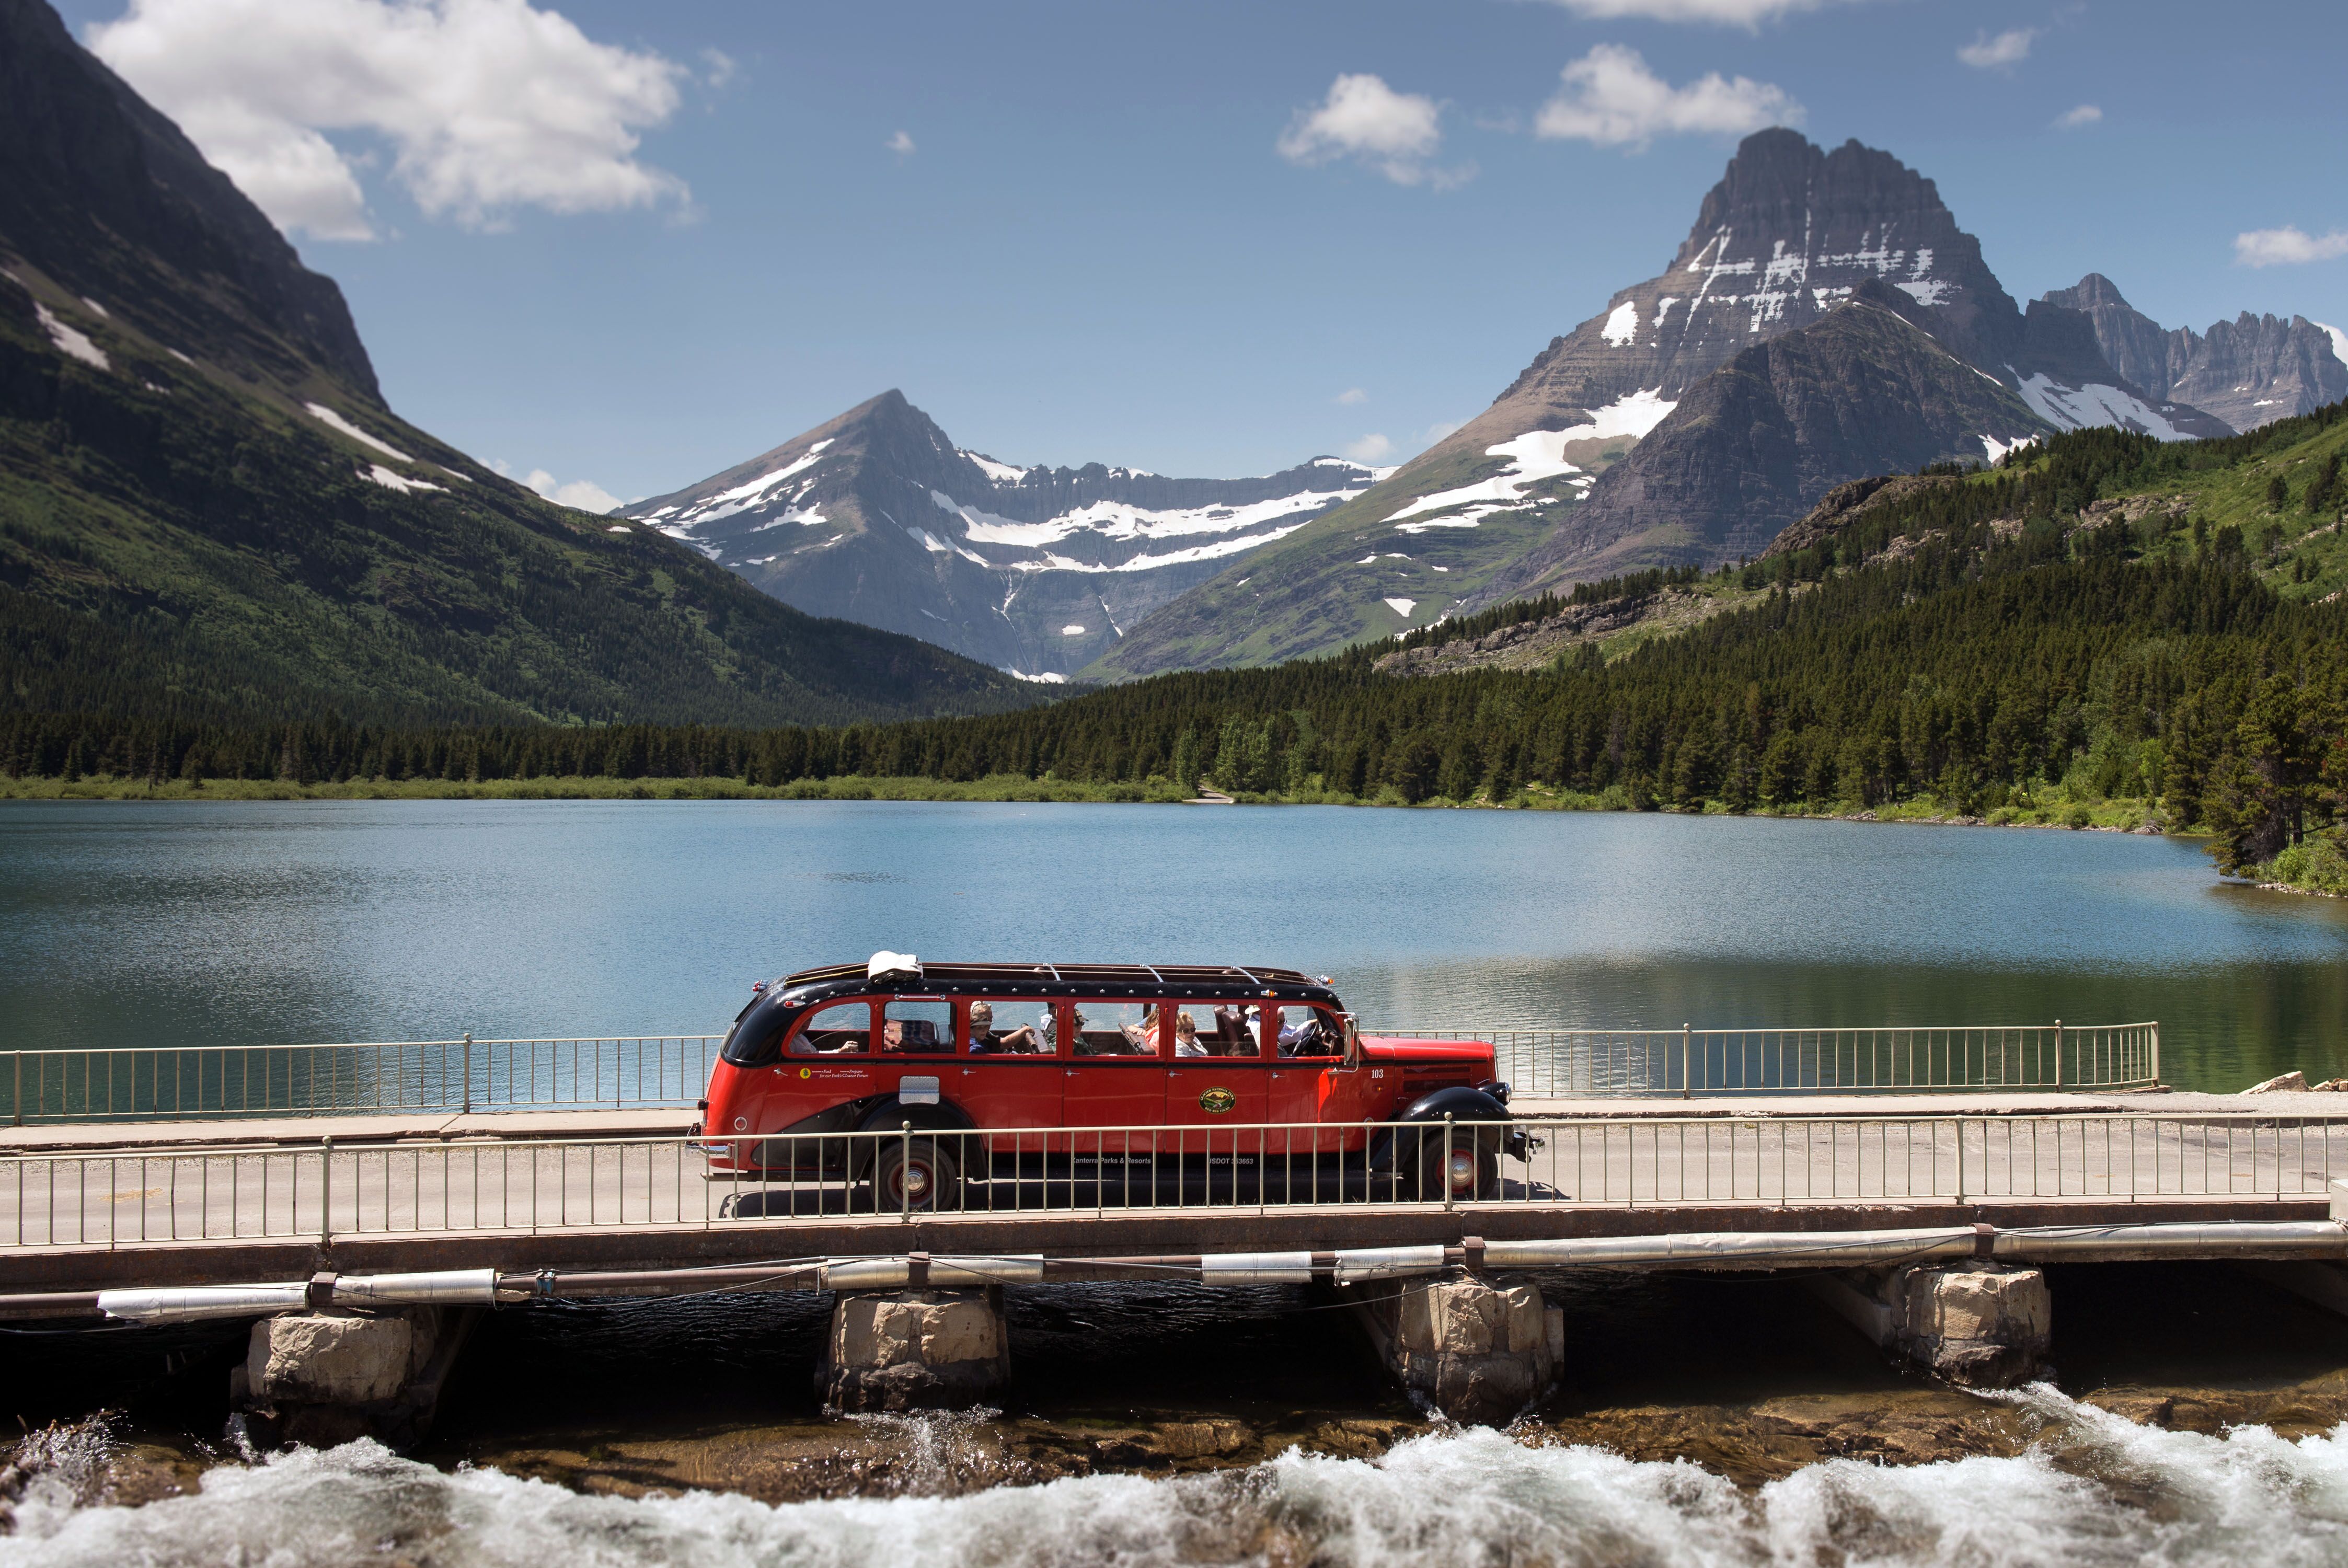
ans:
(603, 1121)
(171, 1213)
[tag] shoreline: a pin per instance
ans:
(2121, 814)
(2117, 815)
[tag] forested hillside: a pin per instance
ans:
(2108, 618)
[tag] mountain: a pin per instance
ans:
(1790, 234)
(879, 517)
(1751, 447)
(2249, 372)
(207, 511)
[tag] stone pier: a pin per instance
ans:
(1480, 1350)
(1982, 1324)
(914, 1350)
(328, 1376)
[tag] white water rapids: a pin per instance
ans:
(2097, 1489)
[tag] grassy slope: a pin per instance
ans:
(175, 539)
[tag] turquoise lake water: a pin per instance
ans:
(241, 922)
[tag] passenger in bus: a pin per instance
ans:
(985, 1039)
(1185, 1036)
(1231, 1024)
(1141, 1039)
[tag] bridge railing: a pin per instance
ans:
(633, 1071)
(1690, 1061)
(135, 1083)
(324, 1191)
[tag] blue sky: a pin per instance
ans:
(1087, 243)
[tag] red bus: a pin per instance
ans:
(1256, 1076)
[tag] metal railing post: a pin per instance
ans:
(326, 1192)
(2059, 1053)
(905, 1168)
(2156, 1050)
(468, 1072)
(1687, 1061)
(16, 1095)
(1446, 1160)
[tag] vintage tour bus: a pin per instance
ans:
(945, 1054)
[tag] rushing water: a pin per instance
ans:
(246, 923)
(2199, 1416)
(2100, 1490)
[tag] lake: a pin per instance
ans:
(244, 923)
(688, 1431)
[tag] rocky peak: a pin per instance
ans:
(1789, 234)
(2248, 371)
(877, 516)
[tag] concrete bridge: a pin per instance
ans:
(363, 1238)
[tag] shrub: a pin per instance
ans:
(2315, 864)
(2077, 817)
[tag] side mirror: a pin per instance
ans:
(1353, 1040)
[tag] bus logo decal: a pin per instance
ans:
(1218, 1100)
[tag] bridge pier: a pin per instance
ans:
(915, 1349)
(328, 1376)
(1982, 1324)
(1479, 1350)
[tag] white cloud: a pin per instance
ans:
(1352, 395)
(1611, 97)
(584, 494)
(484, 106)
(2010, 47)
(1732, 13)
(902, 144)
(722, 68)
(1395, 133)
(1441, 428)
(1369, 448)
(2073, 118)
(2287, 246)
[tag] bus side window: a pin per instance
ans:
(917, 1026)
(1117, 1028)
(1308, 1032)
(844, 1028)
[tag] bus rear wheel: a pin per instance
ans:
(916, 1174)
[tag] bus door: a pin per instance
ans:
(1228, 1087)
(1310, 1080)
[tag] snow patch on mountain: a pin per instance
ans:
(1122, 521)
(71, 341)
(1997, 449)
(1050, 562)
(333, 422)
(395, 481)
(1621, 329)
(1001, 473)
(1533, 457)
(2095, 404)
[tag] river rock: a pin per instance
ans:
(2291, 1082)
